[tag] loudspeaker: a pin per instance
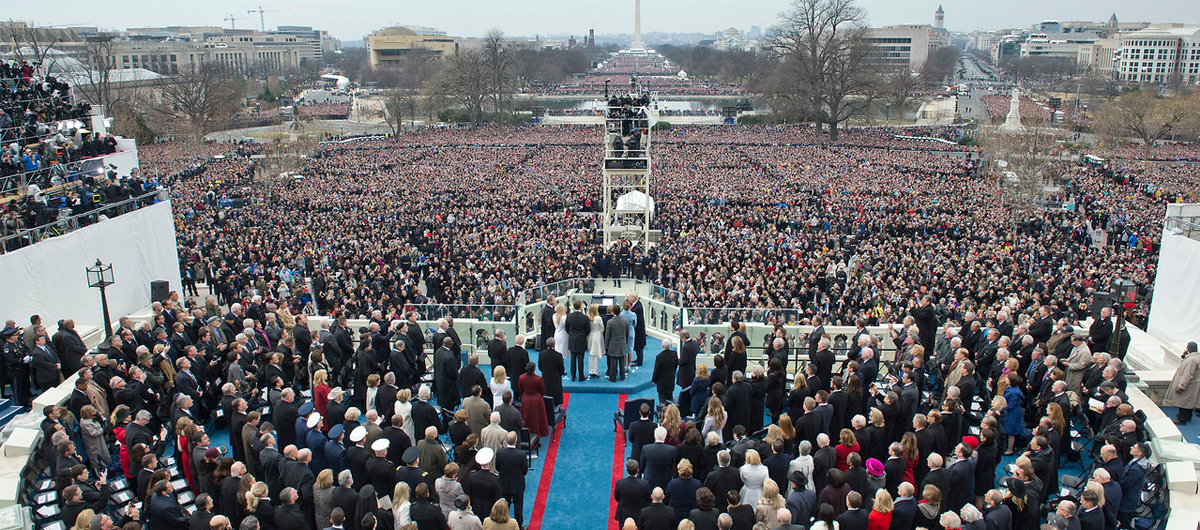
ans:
(159, 290)
(1100, 300)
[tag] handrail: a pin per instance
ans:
(70, 169)
(68, 224)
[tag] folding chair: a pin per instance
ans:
(555, 414)
(525, 443)
(630, 414)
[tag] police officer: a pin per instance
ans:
(18, 360)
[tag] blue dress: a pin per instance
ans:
(700, 395)
(1012, 419)
(632, 318)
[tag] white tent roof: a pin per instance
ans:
(635, 200)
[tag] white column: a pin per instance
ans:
(637, 26)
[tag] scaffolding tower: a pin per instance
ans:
(628, 206)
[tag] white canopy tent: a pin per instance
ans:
(636, 200)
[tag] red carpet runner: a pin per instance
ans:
(539, 505)
(618, 470)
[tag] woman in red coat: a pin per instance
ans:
(849, 444)
(320, 391)
(533, 407)
(880, 517)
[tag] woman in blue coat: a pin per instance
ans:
(1011, 418)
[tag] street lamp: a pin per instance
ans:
(100, 276)
(1125, 293)
(606, 82)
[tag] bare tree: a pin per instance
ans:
(500, 64)
(466, 82)
(198, 100)
(1150, 117)
(99, 85)
(397, 105)
(897, 82)
(34, 44)
(826, 41)
(1023, 164)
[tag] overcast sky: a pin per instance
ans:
(351, 20)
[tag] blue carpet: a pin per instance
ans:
(582, 480)
(1191, 431)
(634, 382)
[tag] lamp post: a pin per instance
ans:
(606, 82)
(100, 276)
(1126, 293)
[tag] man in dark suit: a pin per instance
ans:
(823, 460)
(497, 353)
(517, 357)
(1042, 327)
(664, 372)
(69, 345)
(546, 322)
(288, 514)
(512, 465)
(658, 460)
(962, 479)
(894, 468)
(286, 412)
(1100, 332)
(936, 474)
(471, 376)
(229, 506)
(854, 518)
(925, 315)
(344, 497)
(578, 326)
(723, 479)
(1090, 516)
(814, 338)
(446, 374)
(380, 343)
(550, 362)
(639, 328)
(904, 509)
(164, 510)
(997, 516)
(808, 425)
(300, 477)
(631, 493)
(777, 463)
(423, 414)
(823, 360)
(641, 433)
(303, 337)
(926, 442)
(737, 404)
(203, 513)
(385, 397)
(686, 370)
(656, 516)
(483, 484)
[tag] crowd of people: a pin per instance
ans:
(325, 430)
(773, 224)
(848, 448)
(861, 218)
(998, 105)
(31, 104)
(330, 427)
(674, 85)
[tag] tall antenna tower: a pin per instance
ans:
(628, 206)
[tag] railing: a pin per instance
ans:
(68, 172)
(588, 285)
(62, 225)
(1190, 226)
